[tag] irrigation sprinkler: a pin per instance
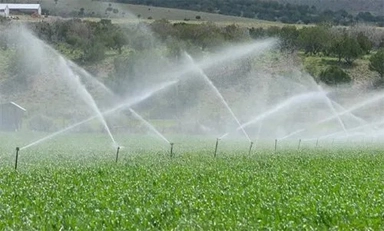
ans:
(171, 149)
(317, 142)
(298, 147)
(117, 154)
(17, 157)
(216, 146)
(250, 148)
(275, 145)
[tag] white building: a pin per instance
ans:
(21, 8)
(4, 10)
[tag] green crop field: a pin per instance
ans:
(73, 183)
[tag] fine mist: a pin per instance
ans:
(246, 90)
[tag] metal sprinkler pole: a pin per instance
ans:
(117, 154)
(317, 142)
(216, 146)
(17, 157)
(250, 148)
(298, 147)
(275, 145)
(171, 149)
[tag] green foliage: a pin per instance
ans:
(119, 40)
(312, 39)
(81, 12)
(377, 62)
(69, 187)
(334, 75)
(351, 50)
(93, 39)
(364, 42)
(266, 10)
(93, 52)
(289, 36)
(347, 47)
(337, 46)
(22, 67)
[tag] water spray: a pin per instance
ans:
(17, 157)
(216, 146)
(250, 148)
(117, 154)
(127, 103)
(218, 94)
(345, 111)
(171, 149)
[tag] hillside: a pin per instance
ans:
(354, 6)
(214, 11)
(127, 12)
(127, 58)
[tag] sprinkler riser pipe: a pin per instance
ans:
(117, 154)
(250, 149)
(275, 145)
(172, 149)
(298, 147)
(17, 157)
(216, 146)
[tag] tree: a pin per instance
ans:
(334, 75)
(289, 36)
(337, 46)
(351, 50)
(364, 42)
(313, 39)
(81, 12)
(22, 67)
(377, 62)
(119, 41)
(257, 33)
(93, 52)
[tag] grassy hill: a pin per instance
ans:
(128, 12)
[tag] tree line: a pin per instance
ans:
(266, 10)
(92, 40)
(88, 43)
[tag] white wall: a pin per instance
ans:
(4, 13)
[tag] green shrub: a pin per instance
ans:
(334, 75)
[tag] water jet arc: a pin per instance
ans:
(150, 126)
(288, 102)
(128, 103)
(214, 88)
(348, 110)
